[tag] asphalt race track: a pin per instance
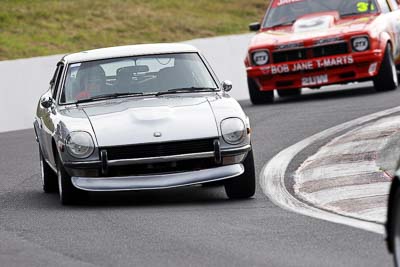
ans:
(196, 226)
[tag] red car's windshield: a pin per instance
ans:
(286, 12)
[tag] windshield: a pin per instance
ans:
(286, 12)
(135, 75)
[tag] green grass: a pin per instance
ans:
(41, 27)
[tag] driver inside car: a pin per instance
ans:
(91, 81)
(294, 11)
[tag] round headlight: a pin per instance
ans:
(260, 58)
(360, 44)
(79, 145)
(233, 130)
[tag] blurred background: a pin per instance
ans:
(42, 27)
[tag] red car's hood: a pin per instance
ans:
(313, 26)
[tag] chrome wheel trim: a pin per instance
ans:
(41, 169)
(396, 234)
(394, 73)
(60, 190)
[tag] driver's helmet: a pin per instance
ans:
(91, 79)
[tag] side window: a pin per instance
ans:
(384, 6)
(57, 80)
(53, 79)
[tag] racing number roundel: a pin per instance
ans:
(260, 58)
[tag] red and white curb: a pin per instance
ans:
(272, 179)
(345, 176)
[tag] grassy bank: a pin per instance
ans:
(41, 27)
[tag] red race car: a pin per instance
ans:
(313, 43)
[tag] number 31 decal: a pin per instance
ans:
(362, 7)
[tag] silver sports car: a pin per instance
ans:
(141, 117)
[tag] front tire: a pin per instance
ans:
(387, 78)
(258, 97)
(69, 194)
(243, 186)
(395, 224)
(49, 177)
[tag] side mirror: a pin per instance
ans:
(226, 86)
(254, 27)
(46, 102)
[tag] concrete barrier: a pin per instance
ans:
(24, 80)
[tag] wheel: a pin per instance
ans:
(258, 97)
(69, 194)
(243, 186)
(396, 227)
(387, 77)
(49, 177)
(289, 92)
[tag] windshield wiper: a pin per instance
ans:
(107, 96)
(187, 90)
(287, 23)
(351, 14)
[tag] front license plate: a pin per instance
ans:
(314, 80)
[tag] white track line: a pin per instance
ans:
(272, 178)
(327, 196)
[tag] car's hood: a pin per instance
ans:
(142, 120)
(313, 26)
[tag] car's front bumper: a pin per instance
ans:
(317, 72)
(121, 175)
(160, 181)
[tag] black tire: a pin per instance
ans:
(289, 92)
(258, 97)
(69, 194)
(395, 227)
(243, 186)
(49, 177)
(390, 213)
(387, 78)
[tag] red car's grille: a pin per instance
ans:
(290, 55)
(309, 53)
(159, 149)
(330, 50)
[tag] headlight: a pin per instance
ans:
(79, 145)
(360, 44)
(260, 58)
(233, 130)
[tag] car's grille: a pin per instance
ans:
(291, 55)
(330, 50)
(162, 168)
(160, 149)
(308, 53)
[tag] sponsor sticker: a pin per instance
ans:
(308, 65)
(314, 80)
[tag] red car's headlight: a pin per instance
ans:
(260, 57)
(360, 44)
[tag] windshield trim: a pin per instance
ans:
(270, 7)
(66, 68)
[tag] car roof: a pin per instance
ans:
(129, 50)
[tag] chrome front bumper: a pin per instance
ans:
(226, 156)
(160, 181)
